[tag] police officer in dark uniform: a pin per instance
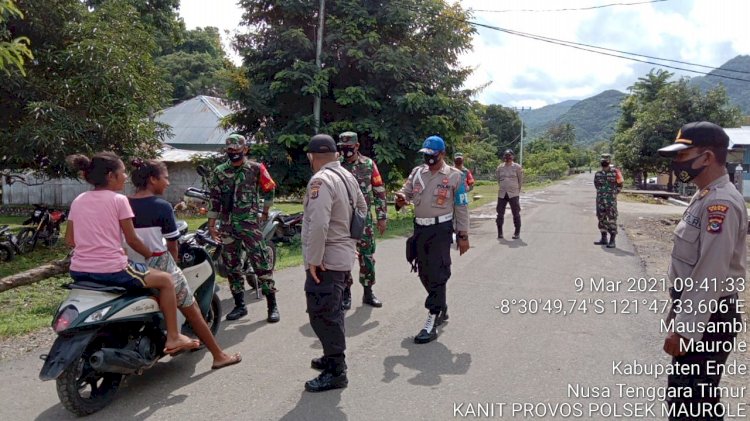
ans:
(439, 194)
(329, 253)
(708, 264)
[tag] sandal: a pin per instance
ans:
(235, 359)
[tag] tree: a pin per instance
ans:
(389, 72)
(92, 87)
(503, 126)
(13, 51)
(160, 17)
(197, 66)
(653, 112)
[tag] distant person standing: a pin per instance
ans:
(509, 177)
(710, 251)
(438, 192)
(458, 162)
(608, 183)
(371, 183)
(328, 252)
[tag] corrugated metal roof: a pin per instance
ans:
(196, 121)
(738, 136)
(170, 154)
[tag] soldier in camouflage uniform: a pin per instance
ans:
(608, 183)
(236, 191)
(371, 184)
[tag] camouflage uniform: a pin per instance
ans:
(240, 226)
(608, 185)
(370, 182)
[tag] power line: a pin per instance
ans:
(568, 9)
(622, 52)
(587, 47)
(581, 47)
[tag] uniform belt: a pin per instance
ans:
(433, 221)
(158, 253)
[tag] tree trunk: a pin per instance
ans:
(57, 267)
(645, 180)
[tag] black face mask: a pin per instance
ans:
(605, 163)
(430, 159)
(348, 152)
(235, 156)
(684, 169)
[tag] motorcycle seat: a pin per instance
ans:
(93, 286)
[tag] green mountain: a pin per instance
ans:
(738, 91)
(593, 118)
(538, 120)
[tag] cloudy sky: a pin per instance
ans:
(531, 73)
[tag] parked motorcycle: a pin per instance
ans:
(46, 228)
(105, 333)
(8, 244)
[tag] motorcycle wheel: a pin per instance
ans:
(53, 238)
(26, 240)
(84, 391)
(213, 318)
(6, 253)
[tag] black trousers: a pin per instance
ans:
(515, 209)
(691, 408)
(326, 314)
(434, 262)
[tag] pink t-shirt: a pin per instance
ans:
(96, 217)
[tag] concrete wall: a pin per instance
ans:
(61, 192)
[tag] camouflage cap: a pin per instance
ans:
(236, 141)
(606, 156)
(458, 155)
(348, 138)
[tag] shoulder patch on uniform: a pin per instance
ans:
(314, 189)
(717, 212)
(704, 192)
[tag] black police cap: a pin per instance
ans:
(698, 134)
(321, 143)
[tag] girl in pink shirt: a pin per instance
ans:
(97, 221)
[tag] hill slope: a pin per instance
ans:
(738, 91)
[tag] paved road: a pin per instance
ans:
(481, 357)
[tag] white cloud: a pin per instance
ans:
(524, 72)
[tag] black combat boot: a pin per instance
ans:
(273, 309)
(499, 231)
(602, 241)
(517, 233)
(332, 377)
(240, 309)
(611, 244)
(370, 299)
(346, 299)
(319, 363)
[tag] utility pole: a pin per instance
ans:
(521, 160)
(319, 49)
(518, 110)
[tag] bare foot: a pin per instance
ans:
(226, 360)
(181, 343)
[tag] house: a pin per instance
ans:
(739, 143)
(196, 123)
